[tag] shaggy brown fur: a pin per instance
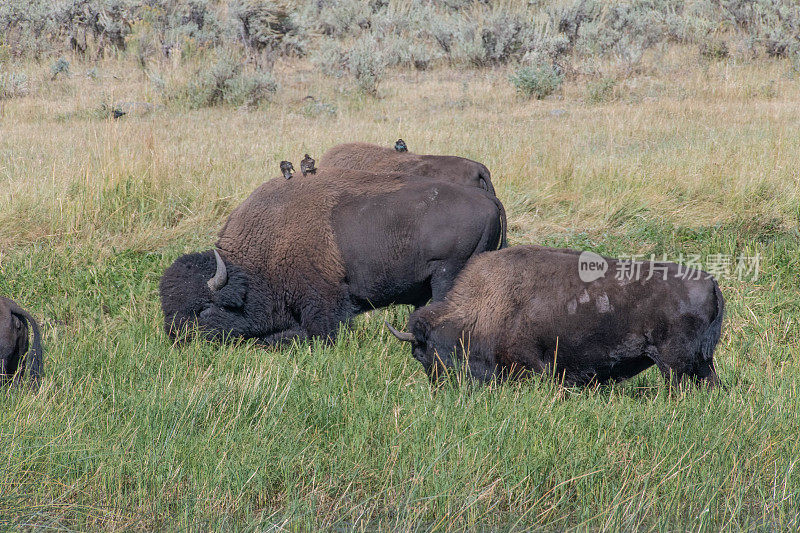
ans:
(303, 256)
(525, 308)
(374, 158)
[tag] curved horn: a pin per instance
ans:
(221, 277)
(401, 335)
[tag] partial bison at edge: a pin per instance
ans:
(14, 344)
(299, 257)
(526, 309)
(374, 158)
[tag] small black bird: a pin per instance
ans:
(116, 113)
(400, 146)
(307, 165)
(287, 168)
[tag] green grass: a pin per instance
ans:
(131, 432)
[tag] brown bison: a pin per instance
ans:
(299, 257)
(531, 309)
(374, 158)
(14, 344)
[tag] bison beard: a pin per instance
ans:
(301, 257)
(14, 344)
(525, 309)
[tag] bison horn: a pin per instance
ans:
(401, 335)
(221, 277)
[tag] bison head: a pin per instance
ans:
(436, 358)
(202, 291)
(442, 347)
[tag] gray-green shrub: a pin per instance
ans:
(461, 32)
(226, 82)
(600, 91)
(713, 48)
(61, 66)
(537, 81)
(267, 28)
(365, 61)
(13, 84)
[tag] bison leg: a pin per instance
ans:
(323, 318)
(9, 367)
(284, 337)
(442, 279)
(319, 325)
(678, 359)
(15, 367)
(673, 359)
(704, 373)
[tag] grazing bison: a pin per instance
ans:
(374, 158)
(299, 257)
(14, 344)
(526, 308)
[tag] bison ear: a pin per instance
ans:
(233, 295)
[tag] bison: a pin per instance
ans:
(299, 257)
(531, 309)
(374, 158)
(14, 343)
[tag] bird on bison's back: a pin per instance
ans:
(400, 146)
(528, 309)
(287, 169)
(298, 258)
(14, 345)
(307, 165)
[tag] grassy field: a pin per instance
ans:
(129, 432)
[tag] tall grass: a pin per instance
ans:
(130, 432)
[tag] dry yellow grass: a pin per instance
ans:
(689, 146)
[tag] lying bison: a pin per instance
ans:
(374, 158)
(527, 308)
(14, 344)
(300, 257)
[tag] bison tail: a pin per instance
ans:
(714, 332)
(34, 357)
(503, 224)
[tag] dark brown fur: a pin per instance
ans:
(305, 256)
(380, 159)
(374, 158)
(525, 309)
